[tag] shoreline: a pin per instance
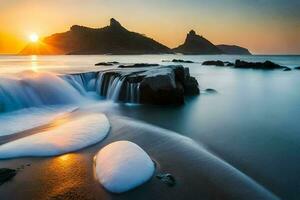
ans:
(198, 173)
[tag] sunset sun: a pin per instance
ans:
(33, 37)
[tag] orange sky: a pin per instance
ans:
(263, 28)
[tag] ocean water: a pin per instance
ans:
(253, 122)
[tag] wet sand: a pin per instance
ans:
(198, 173)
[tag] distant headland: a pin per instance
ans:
(115, 39)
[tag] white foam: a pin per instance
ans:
(21, 120)
(70, 136)
(122, 166)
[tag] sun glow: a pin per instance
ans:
(33, 37)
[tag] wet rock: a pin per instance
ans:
(182, 61)
(162, 85)
(267, 65)
(287, 69)
(210, 90)
(297, 68)
(6, 174)
(214, 62)
(229, 64)
(168, 179)
(106, 63)
(139, 65)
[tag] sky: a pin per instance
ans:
(263, 26)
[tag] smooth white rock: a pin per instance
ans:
(122, 166)
(70, 136)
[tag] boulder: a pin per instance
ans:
(106, 63)
(297, 68)
(162, 85)
(6, 174)
(267, 65)
(139, 65)
(213, 62)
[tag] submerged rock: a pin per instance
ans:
(212, 62)
(106, 63)
(182, 61)
(212, 91)
(287, 69)
(139, 65)
(297, 68)
(122, 166)
(267, 65)
(6, 174)
(167, 179)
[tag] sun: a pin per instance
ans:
(33, 37)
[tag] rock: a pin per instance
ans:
(106, 63)
(162, 85)
(233, 49)
(196, 44)
(212, 91)
(229, 64)
(287, 69)
(139, 65)
(267, 65)
(297, 68)
(6, 174)
(182, 61)
(167, 179)
(122, 166)
(212, 62)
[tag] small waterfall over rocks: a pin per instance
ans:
(159, 85)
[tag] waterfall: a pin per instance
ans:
(34, 89)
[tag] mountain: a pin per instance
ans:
(112, 39)
(233, 49)
(196, 44)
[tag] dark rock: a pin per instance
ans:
(287, 69)
(6, 174)
(233, 49)
(212, 62)
(267, 65)
(139, 65)
(163, 85)
(182, 61)
(196, 44)
(106, 63)
(297, 68)
(229, 64)
(112, 39)
(212, 91)
(167, 179)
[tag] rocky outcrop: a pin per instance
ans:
(267, 65)
(179, 61)
(6, 174)
(139, 65)
(214, 62)
(233, 49)
(112, 39)
(196, 44)
(106, 63)
(157, 85)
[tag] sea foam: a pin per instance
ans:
(122, 166)
(25, 119)
(70, 136)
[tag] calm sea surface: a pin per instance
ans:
(253, 122)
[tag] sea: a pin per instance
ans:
(252, 122)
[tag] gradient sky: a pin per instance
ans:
(263, 26)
